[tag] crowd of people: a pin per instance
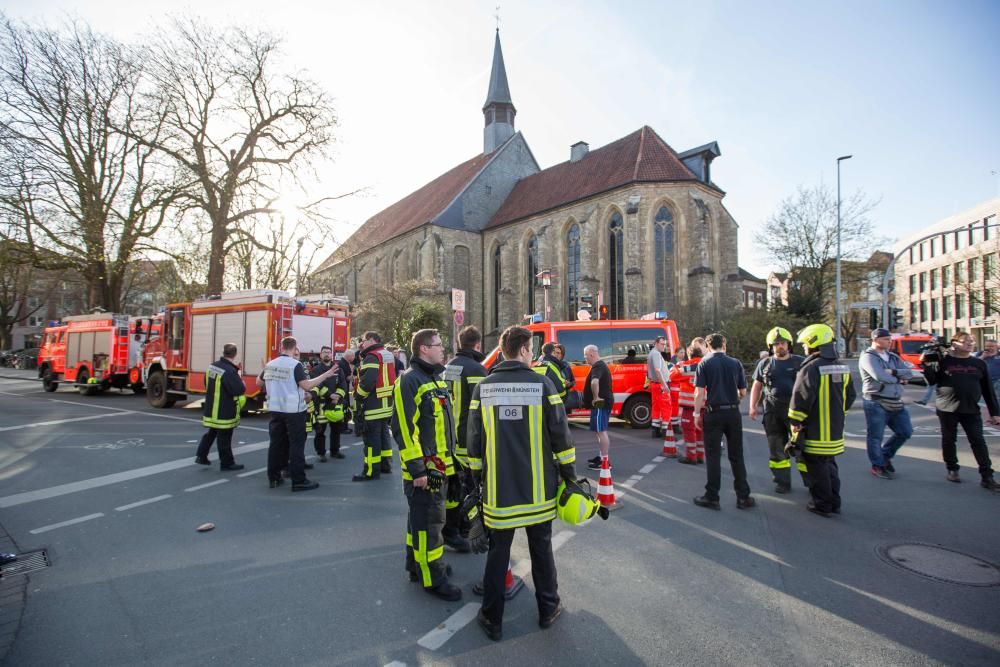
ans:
(485, 452)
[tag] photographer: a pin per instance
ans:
(961, 381)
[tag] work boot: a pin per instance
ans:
(364, 478)
(745, 503)
(657, 433)
(232, 466)
(547, 621)
(990, 484)
(385, 467)
(492, 630)
(202, 462)
(702, 501)
(305, 485)
(815, 510)
(322, 458)
(337, 455)
(782, 488)
(953, 476)
(447, 591)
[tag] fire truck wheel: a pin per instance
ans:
(85, 388)
(637, 411)
(138, 388)
(156, 390)
(48, 382)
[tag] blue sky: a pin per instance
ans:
(911, 89)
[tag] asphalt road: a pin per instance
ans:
(108, 487)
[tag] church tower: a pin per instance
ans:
(499, 110)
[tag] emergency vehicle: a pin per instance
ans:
(94, 352)
(623, 344)
(909, 346)
(193, 333)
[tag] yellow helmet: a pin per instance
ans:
(575, 504)
(778, 333)
(815, 335)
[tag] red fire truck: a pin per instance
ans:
(193, 333)
(94, 352)
(623, 344)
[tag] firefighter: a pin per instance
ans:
(327, 395)
(821, 397)
(520, 410)
(682, 376)
(377, 375)
(773, 380)
(425, 432)
(462, 374)
(225, 396)
(551, 367)
(657, 377)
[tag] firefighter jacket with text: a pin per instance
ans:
(462, 374)
(422, 421)
(519, 446)
(224, 390)
(376, 378)
(682, 376)
(822, 395)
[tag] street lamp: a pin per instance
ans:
(546, 279)
(836, 308)
(298, 268)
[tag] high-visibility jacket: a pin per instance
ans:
(549, 367)
(377, 376)
(422, 421)
(462, 374)
(682, 376)
(336, 385)
(519, 446)
(223, 391)
(822, 395)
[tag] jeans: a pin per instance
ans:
(929, 394)
(877, 418)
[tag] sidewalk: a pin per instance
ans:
(18, 374)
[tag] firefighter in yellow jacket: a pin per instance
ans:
(821, 397)
(376, 377)
(424, 429)
(225, 396)
(519, 449)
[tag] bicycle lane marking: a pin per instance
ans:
(53, 422)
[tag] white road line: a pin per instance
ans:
(59, 421)
(252, 472)
(114, 478)
(635, 478)
(147, 501)
(205, 486)
(659, 459)
(561, 538)
(61, 524)
(436, 638)
(89, 405)
(196, 421)
(648, 468)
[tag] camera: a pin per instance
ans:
(932, 351)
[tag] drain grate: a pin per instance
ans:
(940, 564)
(26, 562)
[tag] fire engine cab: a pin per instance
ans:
(623, 344)
(94, 352)
(192, 335)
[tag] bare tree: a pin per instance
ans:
(76, 179)
(237, 125)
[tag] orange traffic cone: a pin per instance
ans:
(669, 443)
(512, 585)
(606, 487)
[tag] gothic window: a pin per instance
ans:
(663, 256)
(616, 264)
(497, 281)
(573, 271)
(532, 271)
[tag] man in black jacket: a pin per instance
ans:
(333, 390)
(224, 397)
(961, 381)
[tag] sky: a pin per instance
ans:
(911, 89)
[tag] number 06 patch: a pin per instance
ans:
(508, 412)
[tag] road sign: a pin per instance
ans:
(458, 299)
(459, 318)
(866, 304)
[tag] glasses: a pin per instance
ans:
(435, 345)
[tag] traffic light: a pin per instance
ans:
(895, 318)
(603, 313)
(873, 318)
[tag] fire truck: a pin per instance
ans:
(191, 336)
(623, 344)
(95, 352)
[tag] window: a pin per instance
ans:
(530, 279)
(958, 240)
(935, 311)
(911, 255)
(663, 253)
(934, 279)
(973, 269)
(913, 283)
(921, 252)
(974, 306)
(946, 334)
(576, 339)
(945, 276)
(923, 310)
(616, 268)
(497, 282)
(989, 266)
(987, 230)
(572, 271)
(632, 345)
(946, 308)
(944, 244)
(933, 244)
(923, 281)
(913, 312)
(959, 273)
(177, 329)
(973, 235)
(959, 306)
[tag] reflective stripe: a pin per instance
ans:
(779, 465)
(796, 415)
(555, 400)
(535, 442)
(567, 456)
(801, 466)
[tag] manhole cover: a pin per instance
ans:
(25, 563)
(941, 564)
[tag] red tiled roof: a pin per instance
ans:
(409, 212)
(641, 156)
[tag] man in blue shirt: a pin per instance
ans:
(991, 357)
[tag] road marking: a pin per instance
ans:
(114, 478)
(205, 486)
(196, 421)
(659, 459)
(61, 524)
(252, 472)
(561, 538)
(646, 469)
(89, 405)
(436, 638)
(59, 421)
(147, 501)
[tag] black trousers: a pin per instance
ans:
(726, 424)
(320, 442)
(378, 441)
(424, 541)
(824, 481)
(972, 424)
(454, 524)
(287, 431)
(224, 438)
(543, 571)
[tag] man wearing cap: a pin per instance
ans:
(883, 375)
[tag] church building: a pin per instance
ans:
(633, 224)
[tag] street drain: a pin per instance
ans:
(26, 562)
(941, 564)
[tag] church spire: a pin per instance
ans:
(499, 110)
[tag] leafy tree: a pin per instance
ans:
(746, 331)
(406, 308)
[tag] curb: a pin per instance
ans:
(13, 595)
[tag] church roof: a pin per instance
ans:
(637, 158)
(499, 91)
(413, 210)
